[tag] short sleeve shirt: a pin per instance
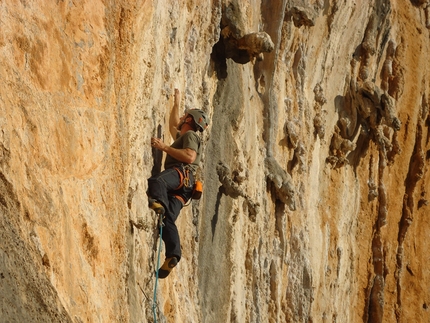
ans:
(191, 140)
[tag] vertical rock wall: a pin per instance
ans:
(315, 166)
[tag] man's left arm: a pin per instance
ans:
(185, 155)
(174, 115)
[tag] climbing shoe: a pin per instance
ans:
(167, 267)
(156, 206)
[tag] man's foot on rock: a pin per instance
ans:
(167, 267)
(156, 206)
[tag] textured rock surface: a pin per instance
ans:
(316, 163)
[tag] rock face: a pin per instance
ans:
(315, 168)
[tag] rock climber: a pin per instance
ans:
(171, 189)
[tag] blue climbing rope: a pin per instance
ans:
(154, 303)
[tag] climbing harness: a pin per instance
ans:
(184, 180)
(154, 302)
(184, 177)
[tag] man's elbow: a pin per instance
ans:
(191, 157)
(190, 160)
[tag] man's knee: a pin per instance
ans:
(155, 181)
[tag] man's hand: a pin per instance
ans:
(158, 143)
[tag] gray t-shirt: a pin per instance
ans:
(191, 140)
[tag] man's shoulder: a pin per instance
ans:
(191, 134)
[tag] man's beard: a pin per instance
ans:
(181, 124)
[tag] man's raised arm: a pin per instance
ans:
(174, 115)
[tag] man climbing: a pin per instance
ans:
(171, 189)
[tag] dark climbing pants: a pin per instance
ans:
(163, 188)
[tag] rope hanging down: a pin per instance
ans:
(154, 303)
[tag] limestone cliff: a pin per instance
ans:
(315, 167)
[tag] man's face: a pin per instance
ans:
(182, 121)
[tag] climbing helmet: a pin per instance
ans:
(200, 118)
